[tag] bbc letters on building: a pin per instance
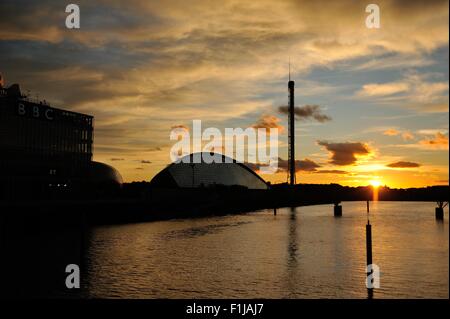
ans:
(44, 149)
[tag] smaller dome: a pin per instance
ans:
(101, 173)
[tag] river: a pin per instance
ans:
(304, 252)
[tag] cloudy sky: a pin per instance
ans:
(372, 103)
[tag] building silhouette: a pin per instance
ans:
(45, 152)
(208, 170)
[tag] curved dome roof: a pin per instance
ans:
(103, 173)
(206, 170)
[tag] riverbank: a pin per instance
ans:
(140, 204)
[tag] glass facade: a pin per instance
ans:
(40, 144)
(222, 172)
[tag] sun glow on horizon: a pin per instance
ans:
(375, 183)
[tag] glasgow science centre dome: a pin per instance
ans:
(207, 170)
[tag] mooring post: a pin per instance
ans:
(274, 211)
(369, 251)
(337, 210)
(369, 243)
(439, 211)
(2, 234)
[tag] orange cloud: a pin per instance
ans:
(391, 132)
(407, 136)
(331, 171)
(440, 141)
(383, 89)
(268, 121)
(182, 127)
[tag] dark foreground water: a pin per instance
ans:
(300, 253)
(305, 253)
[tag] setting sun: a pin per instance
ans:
(375, 183)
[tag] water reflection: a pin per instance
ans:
(292, 239)
(292, 273)
(301, 252)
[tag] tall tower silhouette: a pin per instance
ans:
(291, 123)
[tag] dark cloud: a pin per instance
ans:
(307, 112)
(145, 162)
(114, 150)
(117, 159)
(345, 153)
(67, 73)
(403, 164)
(306, 165)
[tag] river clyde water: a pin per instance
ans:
(304, 252)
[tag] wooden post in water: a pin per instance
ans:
(439, 211)
(274, 211)
(337, 210)
(369, 250)
(369, 243)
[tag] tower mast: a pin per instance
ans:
(291, 124)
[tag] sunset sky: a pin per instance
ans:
(373, 103)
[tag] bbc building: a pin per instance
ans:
(43, 150)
